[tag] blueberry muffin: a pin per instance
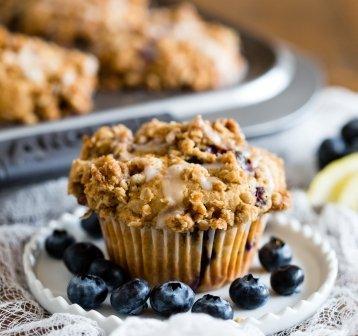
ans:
(72, 22)
(138, 47)
(184, 201)
(175, 49)
(41, 81)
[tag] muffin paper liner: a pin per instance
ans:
(205, 260)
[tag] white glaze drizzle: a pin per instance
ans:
(173, 186)
(268, 174)
(215, 165)
(152, 169)
(28, 60)
(214, 136)
(207, 182)
(165, 214)
(173, 190)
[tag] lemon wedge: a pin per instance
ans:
(337, 183)
(349, 192)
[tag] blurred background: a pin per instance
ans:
(327, 29)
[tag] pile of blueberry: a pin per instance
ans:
(94, 277)
(334, 148)
(275, 256)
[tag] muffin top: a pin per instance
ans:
(181, 176)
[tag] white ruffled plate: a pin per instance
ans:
(48, 278)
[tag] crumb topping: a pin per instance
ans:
(182, 176)
(41, 81)
(165, 48)
(182, 27)
(175, 48)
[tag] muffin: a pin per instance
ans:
(165, 48)
(40, 81)
(176, 49)
(184, 201)
(72, 23)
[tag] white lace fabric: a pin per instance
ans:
(25, 209)
(339, 314)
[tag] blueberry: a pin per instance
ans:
(274, 254)
(78, 257)
(131, 298)
(244, 161)
(92, 226)
(330, 150)
(286, 280)
(214, 306)
(57, 243)
(248, 293)
(350, 131)
(112, 274)
(261, 197)
(194, 159)
(353, 147)
(213, 149)
(88, 291)
(171, 297)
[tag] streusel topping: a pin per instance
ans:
(174, 49)
(41, 81)
(182, 176)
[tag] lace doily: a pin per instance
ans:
(29, 207)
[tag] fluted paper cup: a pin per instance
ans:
(205, 260)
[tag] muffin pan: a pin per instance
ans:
(274, 93)
(276, 76)
(47, 278)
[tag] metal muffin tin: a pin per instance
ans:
(277, 82)
(272, 95)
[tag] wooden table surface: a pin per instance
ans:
(326, 29)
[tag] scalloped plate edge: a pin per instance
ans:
(294, 314)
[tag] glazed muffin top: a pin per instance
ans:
(181, 176)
